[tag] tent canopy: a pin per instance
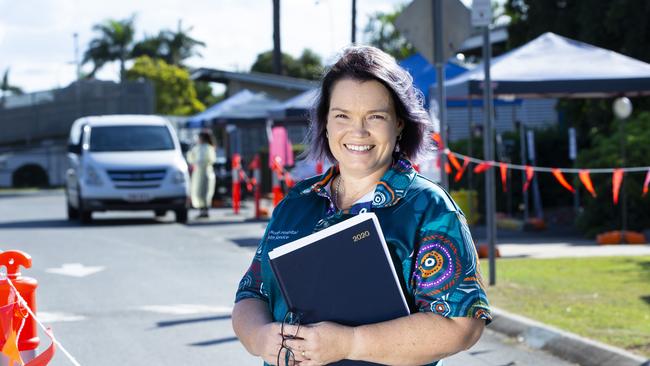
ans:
(424, 74)
(297, 107)
(244, 105)
(555, 66)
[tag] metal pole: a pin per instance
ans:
(439, 58)
(623, 196)
(354, 21)
(277, 48)
(488, 147)
(522, 153)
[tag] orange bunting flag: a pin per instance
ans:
(447, 168)
(460, 172)
(646, 183)
(453, 160)
(482, 167)
(438, 140)
(504, 176)
(529, 176)
(617, 179)
(557, 173)
(586, 181)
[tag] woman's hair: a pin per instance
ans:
(207, 137)
(365, 63)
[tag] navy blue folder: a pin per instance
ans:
(342, 274)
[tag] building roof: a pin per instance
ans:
(278, 81)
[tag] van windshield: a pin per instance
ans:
(130, 138)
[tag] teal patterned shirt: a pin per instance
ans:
(426, 233)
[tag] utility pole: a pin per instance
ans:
(277, 51)
(77, 62)
(354, 21)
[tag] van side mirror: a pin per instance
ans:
(75, 149)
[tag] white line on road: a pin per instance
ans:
(186, 309)
(75, 270)
(53, 317)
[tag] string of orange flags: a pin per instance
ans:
(558, 173)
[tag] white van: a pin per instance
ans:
(125, 162)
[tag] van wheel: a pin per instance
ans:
(73, 213)
(160, 213)
(181, 215)
(85, 217)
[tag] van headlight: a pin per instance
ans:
(92, 177)
(178, 177)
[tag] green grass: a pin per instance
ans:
(602, 298)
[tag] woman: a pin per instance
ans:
(370, 121)
(202, 158)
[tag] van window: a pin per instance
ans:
(130, 138)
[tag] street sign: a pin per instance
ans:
(416, 25)
(481, 13)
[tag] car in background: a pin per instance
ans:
(125, 162)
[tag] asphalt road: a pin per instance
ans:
(131, 289)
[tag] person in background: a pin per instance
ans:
(370, 123)
(202, 157)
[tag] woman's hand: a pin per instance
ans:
(268, 342)
(321, 343)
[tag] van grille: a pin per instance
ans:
(126, 179)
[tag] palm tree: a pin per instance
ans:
(180, 46)
(152, 46)
(114, 42)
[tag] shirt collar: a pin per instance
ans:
(389, 190)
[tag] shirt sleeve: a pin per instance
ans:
(446, 276)
(252, 284)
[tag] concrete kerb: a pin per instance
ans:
(565, 345)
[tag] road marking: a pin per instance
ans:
(53, 317)
(186, 309)
(75, 270)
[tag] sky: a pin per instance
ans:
(37, 42)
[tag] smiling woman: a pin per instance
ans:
(370, 123)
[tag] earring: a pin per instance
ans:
(327, 134)
(399, 137)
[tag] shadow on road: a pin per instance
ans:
(225, 222)
(246, 242)
(171, 323)
(62, 223)
(214, 341)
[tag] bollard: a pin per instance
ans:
(28, 339)
(256, 166)
(236, 186)
(277, 175)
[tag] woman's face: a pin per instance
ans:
(362, 126)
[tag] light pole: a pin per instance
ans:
(622, 109)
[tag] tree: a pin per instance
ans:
(175, 92)
(382, 33)
(600, 213)
(173, 47)
(180, 46)
(151, 46)
(114, 42)
(307, 66)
